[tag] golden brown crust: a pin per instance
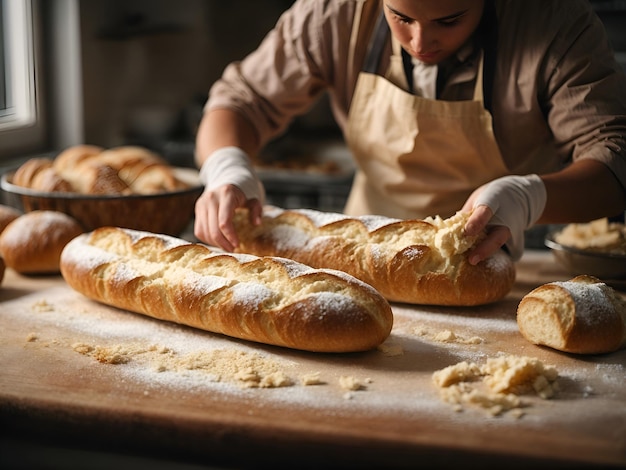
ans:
(411, 261)
(103, 179)
(32, 243)
(75, 156)
(2, 269)
(49, 181)
(268, 300)
(89, 169)
(7, 215)
(26, 173)
(582, 315)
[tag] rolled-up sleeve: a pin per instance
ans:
(559, 83)
(291, 67)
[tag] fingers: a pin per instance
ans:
(478, 220)
(214, 216)
(256, 211)
(497, 236)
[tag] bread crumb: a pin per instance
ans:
(42, 306)
(82, 348)
(447, 336)
(247, 370)
(275, 379)
(497, 385)
(391, 349)
(32, 337)
(347, 382)
(312, 379)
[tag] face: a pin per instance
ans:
(433, 30)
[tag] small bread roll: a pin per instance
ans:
(26, 173)
(71, 163)
(582, 315)
(103, 179)
(130, 161)
(156, 179)
(143, 170)
(73, 157)
(32, 243)
(49, 181)
(7, 215)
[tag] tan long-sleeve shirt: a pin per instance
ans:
(556, 79)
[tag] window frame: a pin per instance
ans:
(22, 122)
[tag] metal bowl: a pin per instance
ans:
(577, 261)
(168, 213)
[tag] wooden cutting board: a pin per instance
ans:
(75, 370)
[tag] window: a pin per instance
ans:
(21, 118)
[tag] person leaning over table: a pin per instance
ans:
(516, 109)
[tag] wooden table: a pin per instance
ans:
(155, 399)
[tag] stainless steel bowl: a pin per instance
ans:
(577, 261)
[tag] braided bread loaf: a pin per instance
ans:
(412, 261)
(268, 300)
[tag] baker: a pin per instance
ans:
(516, 110)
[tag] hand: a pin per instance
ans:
(214, 215)
(505, 207)
(497, 235)
(230, 182)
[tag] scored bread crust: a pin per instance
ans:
(583, 315)
(410, 261)
(268, 300)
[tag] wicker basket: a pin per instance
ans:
(168, 213)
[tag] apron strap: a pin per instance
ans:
(487, 35)
(376, 46)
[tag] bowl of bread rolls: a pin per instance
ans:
(596, 248)
(127, 186)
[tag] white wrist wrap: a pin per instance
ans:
(517, 202)
(231, 165)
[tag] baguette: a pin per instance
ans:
(410, 261)
(582, 316)
(268, 300)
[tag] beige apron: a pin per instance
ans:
(417, 157)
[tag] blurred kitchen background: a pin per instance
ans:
(122, 72)
(147, 66)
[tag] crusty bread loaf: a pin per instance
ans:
(267, 300)
(26, 172)
(7, 215)
(76, 156)
(89, 169)
(583, 315)
(101, 179)
(49, 181)
(412, 261)
(32, 243)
